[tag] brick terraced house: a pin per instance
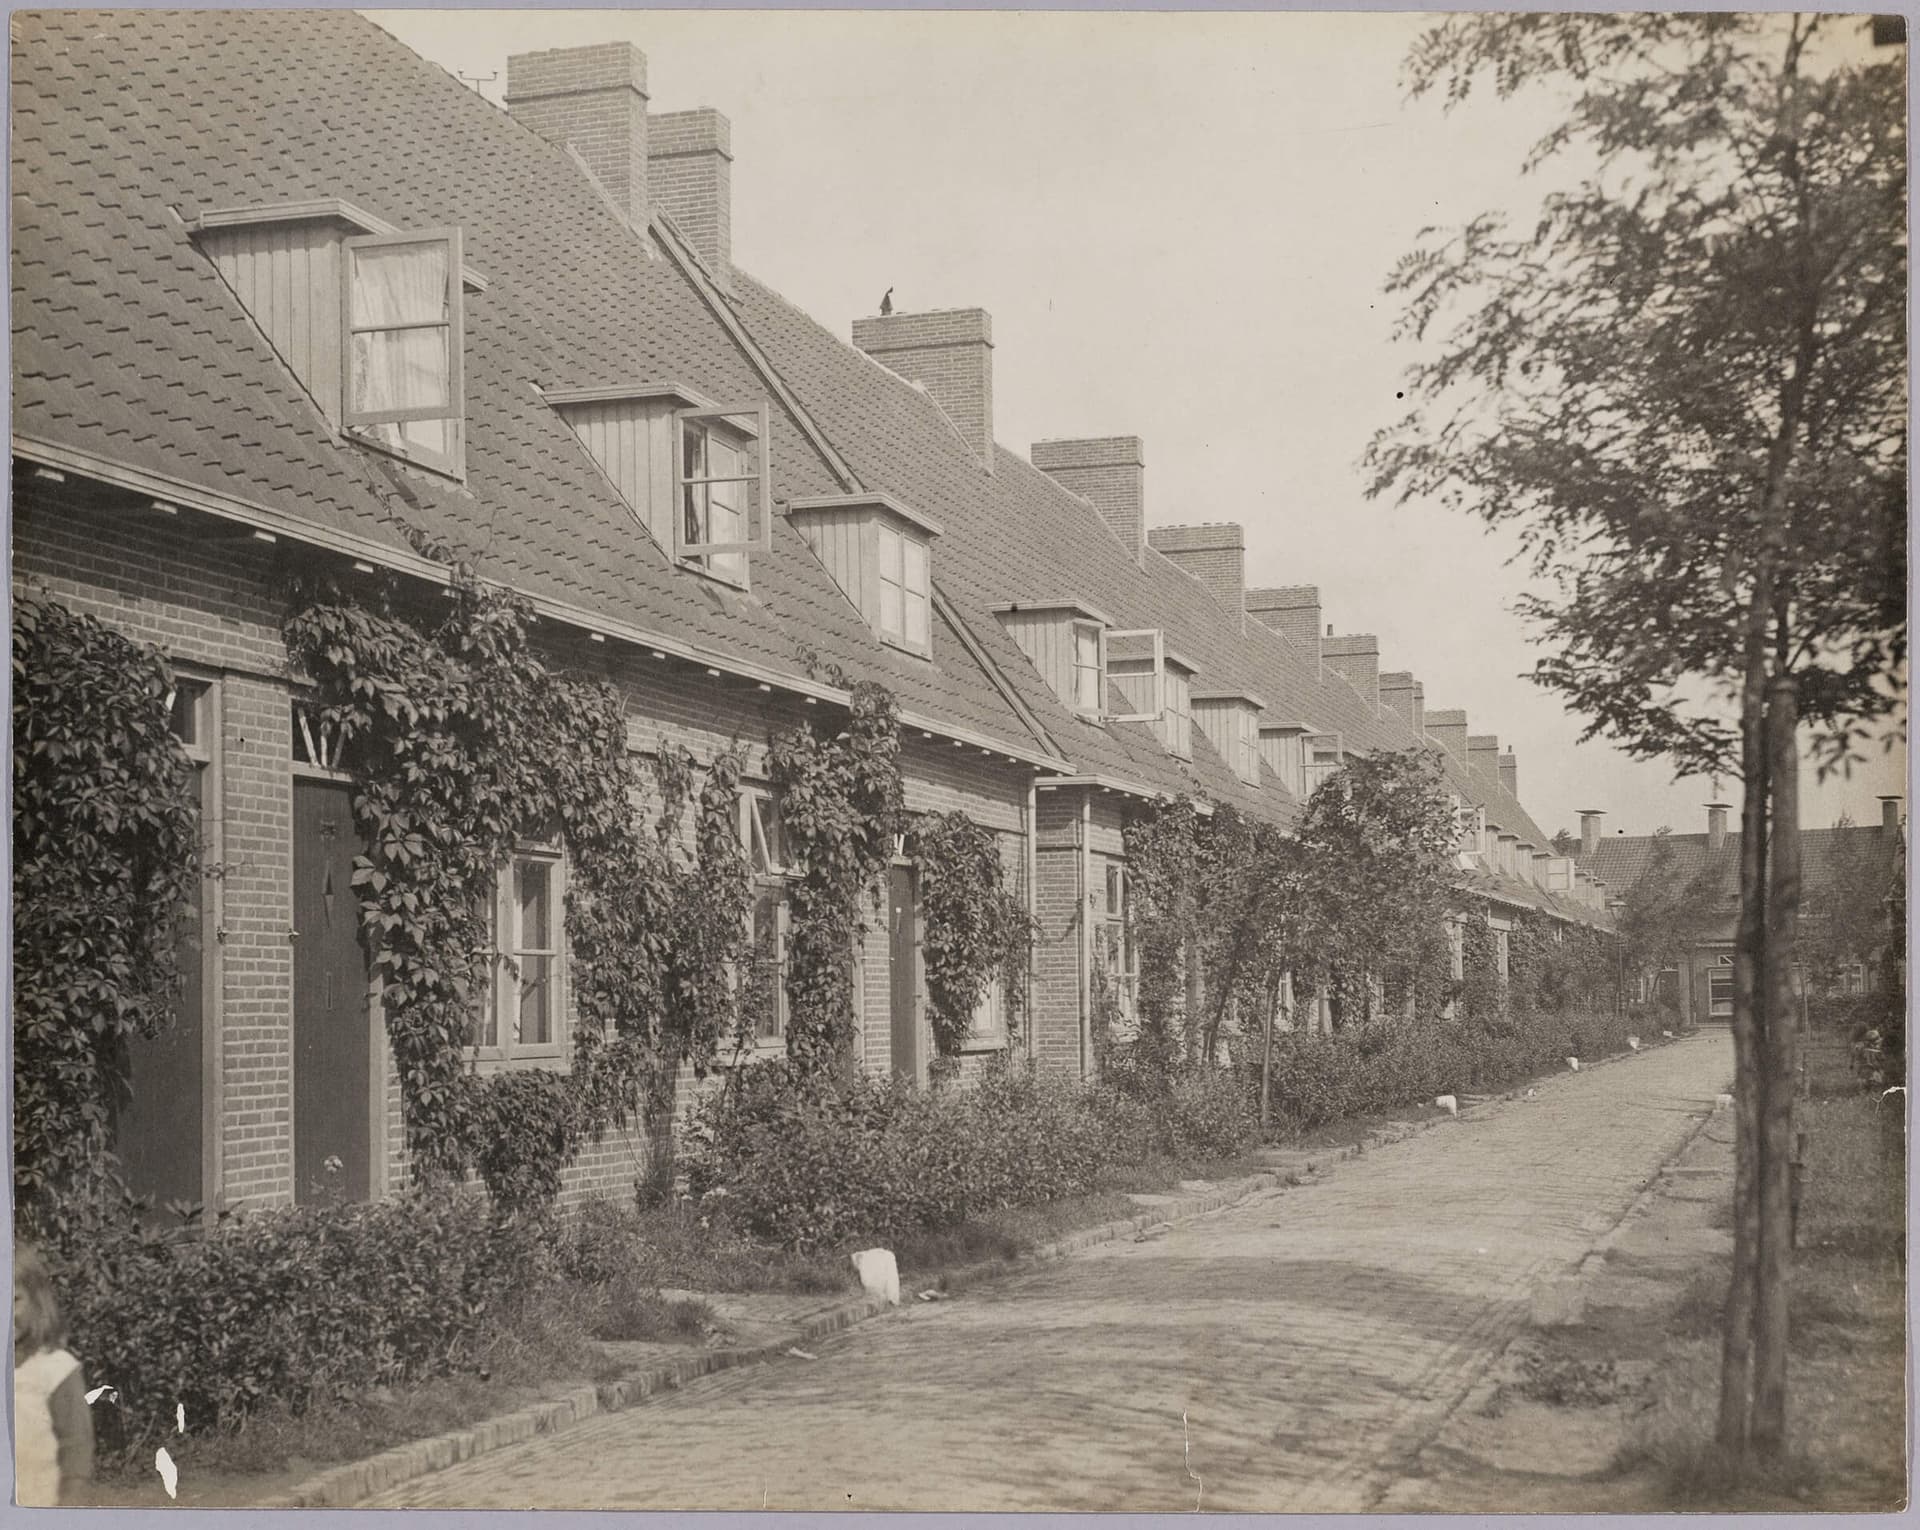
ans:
(285, 294)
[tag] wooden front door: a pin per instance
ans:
(160, 1132)
(332, 1050)
(909, 1061)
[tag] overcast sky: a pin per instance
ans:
(1180, 224)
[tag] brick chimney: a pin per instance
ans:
(690, 178)
(1110, 472)
(1510, 773)
(594, 99)
(1483, 754)
(1450, 729)
(1293, 609)
(950, 352)
(1397, 694)
(1890, 814)
(1357, 657)
(1590, 829)
(1717, 826)
(1216, 555)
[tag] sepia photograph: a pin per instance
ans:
(1098, 761)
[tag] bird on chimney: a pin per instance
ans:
(886, 302)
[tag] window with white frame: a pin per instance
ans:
(402, 338)
(521, 1013)
(764, 999)
(988, 1026)
(1457, 949)
(723, 510)
(1089, 668)
(1720, 988)
(1119, 960)
(1322, 758)
(905, 588)
(1502, 949)
(1177, 721)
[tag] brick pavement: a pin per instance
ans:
(1286, 1354)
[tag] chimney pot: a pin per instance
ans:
(1716, 826)
(1110, 473)
(1590, 829)
(1216, 555)
(949, 350)
(1510, 773)
(1890, 814)
(594, 99)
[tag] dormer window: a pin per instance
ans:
(906, 596)
(401, 319)
(1283, 746)
(1156, 684)
(1231, 721)
(880, 553)
(696, 474)
(1067, 642)
(1089, 667)
(368, 317)
(1324, 757)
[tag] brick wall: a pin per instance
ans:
(690, 178)
(1215, 554)
(949, 350)
(1293, 609)
(1356, 656)
(1110, 473)
(595, 99)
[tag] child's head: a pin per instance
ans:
(36, 1316)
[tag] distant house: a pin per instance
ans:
(1849, 874)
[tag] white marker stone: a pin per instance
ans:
(1574, 1064)
(879, 1273)
(1449, 1104)
(169, 1473)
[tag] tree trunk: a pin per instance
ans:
(1777, 1066)
(1736, 1352)
(1266, 1063)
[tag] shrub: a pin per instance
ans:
(814, 1164)
(287, 1306)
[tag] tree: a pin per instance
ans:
(1377, 841)
(1845, 920)
(1684, 387)
(1662, 916)
(1565, 843)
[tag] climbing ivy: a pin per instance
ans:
(463, 743)
(976, 925)
(104, 857)
(842, 813)
(1164, 876)
(1483, 992)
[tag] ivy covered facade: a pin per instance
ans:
(723, 535)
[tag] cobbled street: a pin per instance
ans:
(1286, 1354)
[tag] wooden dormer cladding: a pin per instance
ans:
(880, 553)
(289, 266)
(1231, 722)
(1283, 747)
(696, 474)
(1066, 640)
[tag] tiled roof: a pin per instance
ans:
(1620, 860)
(128, 346)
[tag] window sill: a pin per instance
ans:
(693, 566)
(900, 645)
(760, 1051)
(983, 1044)
(555, 1061)
(440, 468)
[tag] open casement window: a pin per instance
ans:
(1137, 664)
(521, 1010)
(1089, 667)
(723, 488)
(905, 588)
(402, 336)
(764, 997)
(1322, 758)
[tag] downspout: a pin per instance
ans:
(1086, 931)
(1032, 827)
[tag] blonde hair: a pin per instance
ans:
(39, 1326)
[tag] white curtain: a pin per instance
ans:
(402, 368)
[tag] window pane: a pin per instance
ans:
(915, 554)
(400, 369)
(986, 1014)
(762, 999)
(536, 1000)
(400, 284)
(890, 615)
(916, 628)
(534, 894)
